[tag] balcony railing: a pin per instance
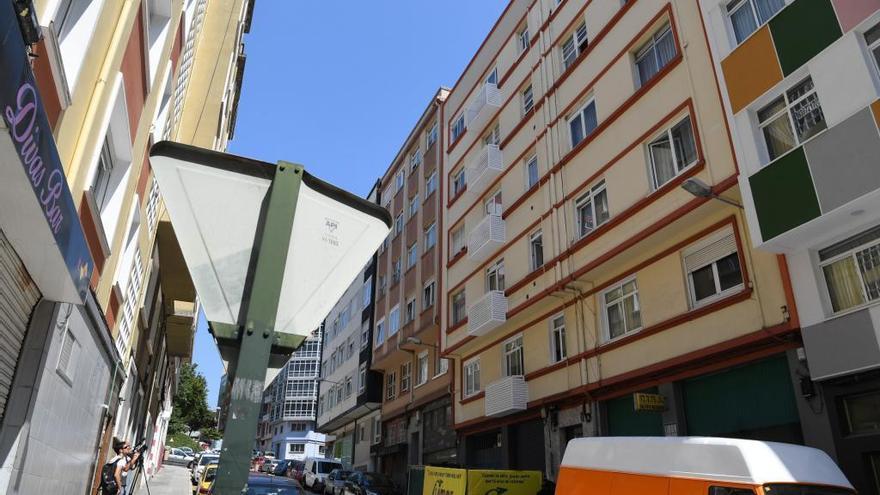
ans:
(486, 237)
(484, 169)
(507, 396)
(488, 313)
(478, 111)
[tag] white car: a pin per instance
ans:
(199, 466)
(177, 456)
(316, 470)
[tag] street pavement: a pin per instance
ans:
(170, 480)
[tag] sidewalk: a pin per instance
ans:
(170, 480)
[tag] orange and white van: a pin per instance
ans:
(696, 466)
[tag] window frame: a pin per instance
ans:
(523, 40)
(667, 134)
(457, 128)
(555, 355)
(471, 377)
(650, 46)
(415, 159)
(529, 184)
(412, 255)
(697, 248)
(430, 184)
(411, 314)
(380, 332)
(433, 294)
(452, 306)
(391, 318)
(390, 386)
(405, 376)
(527, 99)
(515, 351)
(606, 326)
(581, 115)
(762, 124)
(590, 196)
(430, 236)
(733, 6)
(578, 45)
(495, 275)
(362, 378)
(413, 209)
(431, 136)
(849, 253)
(537, 235)
(422, 379)
(457, 234)
(459, 183)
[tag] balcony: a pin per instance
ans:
(488, 313)
(477, 113)
(506, 396)
(489, 235)
(484, 169)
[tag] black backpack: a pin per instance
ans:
(108, 478)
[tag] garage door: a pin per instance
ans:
(18, 296)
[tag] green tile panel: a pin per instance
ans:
(802, 30)
(784, 194)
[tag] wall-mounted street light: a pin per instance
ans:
(270, 249)
(702, 190)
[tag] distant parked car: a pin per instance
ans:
(188, 450)
(335, 482)
(316, 471)
(370, 483)
(199, 466)
(295, 470)
(281, 468)
(180, 457)
(268, 466)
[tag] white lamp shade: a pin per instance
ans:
(215, 202)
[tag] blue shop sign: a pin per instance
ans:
(31, 134)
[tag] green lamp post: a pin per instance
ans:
(270, 249)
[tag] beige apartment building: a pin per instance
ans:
(416, 407)
(97, 305)
(585, 290)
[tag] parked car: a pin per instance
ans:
(199, 466)
(269, 466)
(265, 484)
(188, 450)
(180, 457)
(295, 470)
(281, 468)
(206, 480)
(335, 481)
(369, 483)
(316, 470)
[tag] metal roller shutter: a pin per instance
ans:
(18, 296)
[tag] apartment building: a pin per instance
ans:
(586, 291)
(349, 392)
(416, 408)
(97, 305)
(287, 427)
(801, 86)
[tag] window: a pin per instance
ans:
(412, 255)
(362, 377)
(394, 320)
(365, 334)
(457, 241)
(523, 39)
(430, 236)
(747, 15)
(422, 371)
(472, 377)
(428, 295)
(297, 448)
(75, 23)
(852, 270)
(377, 429)
(430, 184)
(495, 276)
(575, 45)
(513, 357)
(101, 188)
(411, 310)
(414, 205)
(591, 209)
(492, 78)
(655, 54)
(459, 311)
(494, 204)
(493, 137)
(442, 366)
(791, 119)
(672, 152)
(367, 293)
(622, 314)
(405, 376)
(536, 250)
(583, 123)
(348, 388)
(390, 392)
(528, 100)
(398, 181)
(458, 183)
(398, 225)
(532, 172)
(558, 350)
(383, 284)
(415, 160)
(457, 128)
(297, 426)
(712, 268)
(432, 136)
(395, 271)
(380, 331)
(862, 413)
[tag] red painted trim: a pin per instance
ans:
(459, 255)
(550, 369)
(455, 198)
(473, 398)
(456, 326)
(449, 350)
(429, 251)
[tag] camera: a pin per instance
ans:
(141, 447)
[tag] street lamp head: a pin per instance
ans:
(698, 188)
(217, 203)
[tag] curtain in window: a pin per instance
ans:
(844, 286)
(615, 321)
(779, 137)
(665, 49)
(766, 8)
(743, 22)
(631, 310)
(577, 131)
(869, 264)
(662, 160)
(601, 202)
(590, 120)
(685, 148)
(647, 66)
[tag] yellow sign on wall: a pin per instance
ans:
(490, 482)
(649, 402)
(445, 481)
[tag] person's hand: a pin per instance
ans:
(135, 456)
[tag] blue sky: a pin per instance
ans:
(338, 85)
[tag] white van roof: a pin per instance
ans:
(722, 459)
